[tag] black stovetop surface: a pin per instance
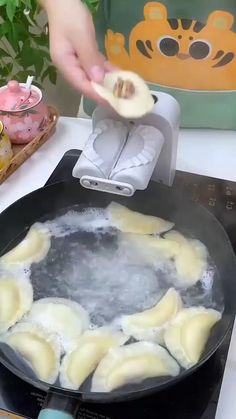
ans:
(194, 398)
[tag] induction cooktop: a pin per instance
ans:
(194, 398)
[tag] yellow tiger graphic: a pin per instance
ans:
(182, 53)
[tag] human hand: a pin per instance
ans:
(73, 45)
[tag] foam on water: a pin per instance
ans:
(89, 220)
(103, 282)
(93, 264)
(18, 271)
(89, 263)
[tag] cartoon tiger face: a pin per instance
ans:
(184, 53)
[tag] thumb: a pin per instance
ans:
(97, 73)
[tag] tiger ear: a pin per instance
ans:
(220, 20)
(155, 11)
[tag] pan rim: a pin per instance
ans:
(132, 394)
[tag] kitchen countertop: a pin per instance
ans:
(206, 152)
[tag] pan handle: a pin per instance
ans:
(59, 406)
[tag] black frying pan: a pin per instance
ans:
(169, 203)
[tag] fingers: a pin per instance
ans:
(90, 58)
(69, 66)
(97, 73)
(74, 48)
(75, 52)
(76, 76)
(86, 48)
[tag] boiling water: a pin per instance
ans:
(92, 263)
(89, 263)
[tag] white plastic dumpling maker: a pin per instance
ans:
(121, 156)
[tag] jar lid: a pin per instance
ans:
(15, 97)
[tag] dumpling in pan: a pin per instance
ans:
(132, 364)
(126, 92)
(151, 249)
(66, 318)
(90, 348)
(150, 324)
(32, 249)
(187, 334)
(38, 348)
(129, 221)
(16, 298)
(190, 260)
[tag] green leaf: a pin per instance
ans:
(4, 53)
(45, 54)
(30, 56)
(21, 31)
(4, 72)
(4, 28)
(92, 5)
(41, 39)
(37, 84)
(10, 68)
(38, 63)
(13, 38)
(22, 75)
(51, 73)
(23, 58)
(29, 51)
(11, 9)
(27, 3)
(45, 74)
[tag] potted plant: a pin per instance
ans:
(24, 42)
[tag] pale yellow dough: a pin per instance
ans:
(187, 334)
(153, 249)
(132, 364)
(188, 255)
(32, 249)
(66, 318)
(129, 221)
(151, 324)
(40, 349)
(16, 298)
(138, 105)
(78, 364)
(190, 260)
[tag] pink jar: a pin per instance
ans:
(23, 119)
